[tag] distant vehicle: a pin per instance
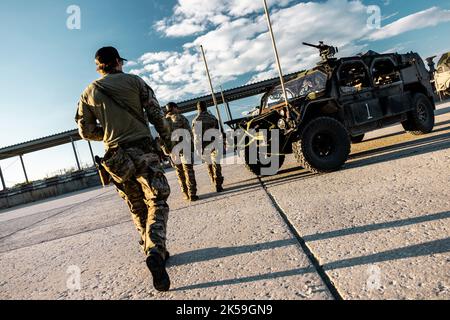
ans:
(338, 102)
(442, 76)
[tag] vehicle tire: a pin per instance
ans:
(421, 120)
(257, 168)
(324, 146)
(358, 139)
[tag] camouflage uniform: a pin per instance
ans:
(184, 170)
(207, 122)
(130, 158)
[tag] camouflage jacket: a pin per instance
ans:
(100, 118)
(178, 121)
(205, 121)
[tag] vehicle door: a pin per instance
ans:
(388, 85)
(357, 93)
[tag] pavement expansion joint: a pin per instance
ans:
(313, 259)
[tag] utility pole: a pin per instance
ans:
(277, 57)
(75, 152)
(3, 179)
(227, 106)
(212, 88)
(23, 167)
(92, 152)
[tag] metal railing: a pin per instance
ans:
(187, 106)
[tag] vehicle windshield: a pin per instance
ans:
(300, 87)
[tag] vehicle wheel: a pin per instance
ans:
(421, 119)
(358, 139)
(324, 146)
(257, 168)
(261, 160)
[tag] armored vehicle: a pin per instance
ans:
(337, 103)
(442, 76)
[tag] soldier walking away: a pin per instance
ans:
(116, 109)
(184, 169)
(206, 121)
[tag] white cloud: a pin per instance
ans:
(390, 16)
(423, 19)
(129, 64)
(194, 16)
(152, 67)
(272, 73)
(183, 28)
(155, 57)
(234, 34)
(137, 72)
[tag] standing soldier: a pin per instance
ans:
(116, 109)
(185, 168)
(202, 123)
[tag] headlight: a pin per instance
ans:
(282, 124)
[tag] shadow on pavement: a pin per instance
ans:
(400, 151)
(267, 276)
(214, 197)
(442, 111)
(406, 144)
(375, 227)
(374, 156)
(217, 253)
(360, 159)
(424, 249)
(400, 133)
(301, 175)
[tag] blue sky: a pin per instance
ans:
(46, 66)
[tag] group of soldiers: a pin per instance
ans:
(117, 109)
(185, 168)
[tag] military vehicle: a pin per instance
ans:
(442, 76)
(337, 103)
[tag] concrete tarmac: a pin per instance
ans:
(378, 229)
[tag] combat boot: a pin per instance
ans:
(157, 266)
(194, 198)
(167, 256)
(219, 189)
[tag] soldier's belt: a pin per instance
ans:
(144, 143)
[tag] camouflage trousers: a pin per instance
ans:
(186, 178)
(214, 169)
(146, 193)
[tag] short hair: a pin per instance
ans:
(171, 106)
(201, 106)
(108, 58)
(107, 67)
